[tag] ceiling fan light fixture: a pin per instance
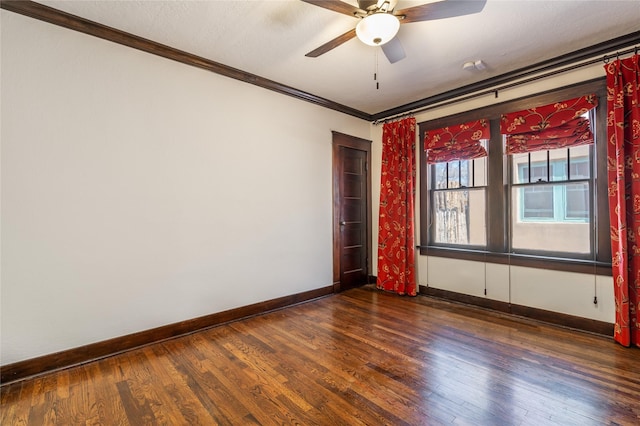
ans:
(378, 28)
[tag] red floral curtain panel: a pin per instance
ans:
(558, 125)
(460, 142)
(623, 165)
(396, 248)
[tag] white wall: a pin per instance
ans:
(139, 192)
(563, 292)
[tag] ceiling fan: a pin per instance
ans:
(380, 22)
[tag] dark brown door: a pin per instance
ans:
(351, 211)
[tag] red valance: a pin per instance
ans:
(459, 142)
(558, 125)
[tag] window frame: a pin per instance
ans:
(498, 224)
(472, 186)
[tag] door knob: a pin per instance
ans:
(342, 223)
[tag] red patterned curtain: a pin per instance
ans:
(558, 125)
(623, 165)
(396, 249)
(460, 142)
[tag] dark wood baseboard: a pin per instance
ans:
(556, 318)
(83, 354)
(64, 359)
(337, 286)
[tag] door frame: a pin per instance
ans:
(343, 140)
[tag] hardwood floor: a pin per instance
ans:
(358, 357)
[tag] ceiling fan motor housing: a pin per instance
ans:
(378, 28)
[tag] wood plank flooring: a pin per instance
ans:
(361, 357)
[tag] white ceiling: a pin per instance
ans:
(270, 39)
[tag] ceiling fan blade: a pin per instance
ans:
(337, 6)
(440, 10)
(393, 50)
(332, 44)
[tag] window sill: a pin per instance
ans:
(529, 261)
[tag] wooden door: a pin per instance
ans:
(352, 211)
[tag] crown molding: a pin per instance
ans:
(54, 16)
(559, 64)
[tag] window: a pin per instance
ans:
(457, 162)
(459, 201)
(550, 201)
(549, 150)
(524, 200)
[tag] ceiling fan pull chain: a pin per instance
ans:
(375, 69)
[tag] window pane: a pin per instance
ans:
(560, 226)
(520, 168)
(454, 174)
(539, 166)
(480, 171)
(558, 160)
(577, 201)
(465, 167)
(537, 202)
(579, 158)
(459, 217)
(440, 181)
